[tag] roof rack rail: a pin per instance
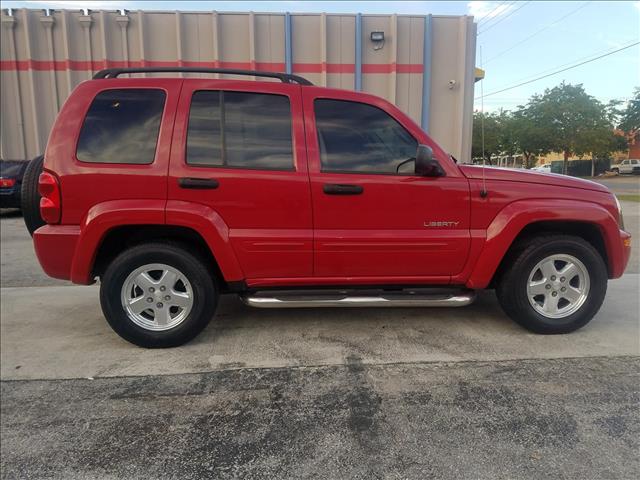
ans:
(284, 77)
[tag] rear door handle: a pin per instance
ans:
(338, 189)
(198, 183)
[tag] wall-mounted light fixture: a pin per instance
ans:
(378, 40)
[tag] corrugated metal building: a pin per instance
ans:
(423, 64)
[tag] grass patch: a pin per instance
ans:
(630, 197)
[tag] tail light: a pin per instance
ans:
(50, 205)
(7, 182)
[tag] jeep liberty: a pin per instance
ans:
(172, 191)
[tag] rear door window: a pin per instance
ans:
(122, 126)
(240, 130)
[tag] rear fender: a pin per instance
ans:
(103, 217)
(512, 219)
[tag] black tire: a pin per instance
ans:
(29, 196)
(512, 285)
(205, 294)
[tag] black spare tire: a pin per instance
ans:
(30, 197)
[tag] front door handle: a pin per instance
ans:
(340, 189)
(198, 183)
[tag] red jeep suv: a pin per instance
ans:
(173, 191)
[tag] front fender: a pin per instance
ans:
(512, 219)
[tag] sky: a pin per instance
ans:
(517, 40)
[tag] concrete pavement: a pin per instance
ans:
(59, 332)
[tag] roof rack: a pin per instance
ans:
(284, 77)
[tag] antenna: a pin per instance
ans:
(483, 192)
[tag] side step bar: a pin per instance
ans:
(406, 298)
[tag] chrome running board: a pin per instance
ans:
(355, 298)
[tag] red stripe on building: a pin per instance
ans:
(95, 65)
(392, 67)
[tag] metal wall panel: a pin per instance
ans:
(43, 57)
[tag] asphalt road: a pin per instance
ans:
(622, 184)
(558, 419)
(337, 393)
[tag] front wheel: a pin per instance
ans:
(158, 295)
(554, 284)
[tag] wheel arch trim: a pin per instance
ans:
(515, 217)
(107, 216)
(212, 228)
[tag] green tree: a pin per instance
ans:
(532, 135)
(507, 135)
(491, 135)
(576, 122)
(630, 116)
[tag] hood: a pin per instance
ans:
(527, 176)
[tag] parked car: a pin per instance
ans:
(546, 168)
(172, 191)
(11, 173)
(631, 166)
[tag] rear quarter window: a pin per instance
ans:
(122, 126)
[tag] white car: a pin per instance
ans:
(631, 166)
(546, 168)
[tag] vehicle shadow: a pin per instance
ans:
(307, 333)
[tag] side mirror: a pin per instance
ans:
(426, 165)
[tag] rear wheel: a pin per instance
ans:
(158, 295)
(554, 284)
(29, 196)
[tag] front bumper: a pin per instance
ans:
(625, 253)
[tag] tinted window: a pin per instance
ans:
(355, 137)
(204, 136)
(241, 130)
(122, 127)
